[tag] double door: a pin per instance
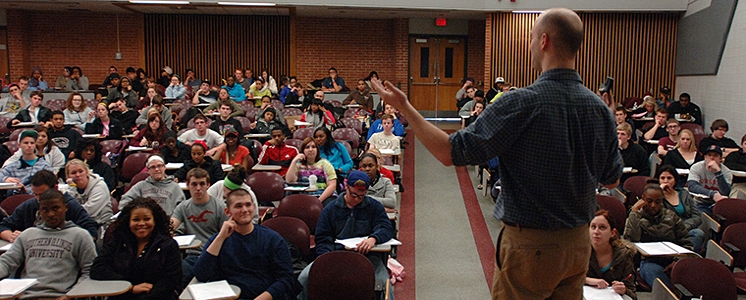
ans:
(436, 71)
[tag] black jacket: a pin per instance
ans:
(116, 131)
(213, 167)
(66, 139)
(45, 114)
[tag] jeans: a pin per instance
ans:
(187, 267)
(650, 271)
(705, 208)
(698, 238)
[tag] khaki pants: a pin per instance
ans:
(541, 264)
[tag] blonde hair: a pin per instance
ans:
(649, 100)
(79, 163)
(692, 146)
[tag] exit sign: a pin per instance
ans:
(440, 22)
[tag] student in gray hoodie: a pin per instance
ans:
(158, 186)
(54, 253)
(89, 190)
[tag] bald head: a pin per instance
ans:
(564, 28)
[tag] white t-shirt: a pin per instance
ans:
(211, 138)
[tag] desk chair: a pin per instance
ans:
(267, 186)
(3, 125)
(245, 123)
(734, 240)
(634, 187)
(662, 292)
(11, 203)
(133, 164)
(115, 148)
(295, 143)
(291, 111)
(341, 275)
(694, 127)
(304, 207)
(655, 161)
(706, 278)
(12, 146)
(303, 133)
(56, 104)
(725, 212)
(353, 123)
(616, 209)
(15, 133)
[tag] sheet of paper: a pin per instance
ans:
(6, 247)
(677, 248)
(7, 184)
(170, 166)
(184, 240)
(211, 290)
(133, 148)
(90, 135)
(10, 287)
(592, 293)
(352, 242)
(662, 248)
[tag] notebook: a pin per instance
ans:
(211, 290)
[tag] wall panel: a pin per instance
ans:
(637, 49)
(215, 45)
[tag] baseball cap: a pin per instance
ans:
(358, 179)
(713, 148)
(499, 80)
(231, 132)
(28, 133)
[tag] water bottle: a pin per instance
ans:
(312, 181)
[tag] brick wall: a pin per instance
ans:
(475, 55)
(353, 46)
(53, 40)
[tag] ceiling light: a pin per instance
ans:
(167, 2)
(247, 3)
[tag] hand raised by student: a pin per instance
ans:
(142, 288)
(227, 229)
(394, 96)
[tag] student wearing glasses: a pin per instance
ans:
(668, 143)
(158, 186)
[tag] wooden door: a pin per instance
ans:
(4, 64)
(437, 66)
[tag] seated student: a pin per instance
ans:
(267, 273)
(61, 82)
(269, 81)
(175, 152)
(267, 103)
(236, 91)
(159, 187)
(710, 178)
(620, 116)
(361, 95)
(77, 112)
(719, 128)
(204, 94)
(668, 143)
(612, 259)
(58, 254)
(333, 83)
(77, 81)
(125, 115)
(191, 79)
(658, 130)
(737, 161)
(44, 148)
(89, 190)
(309, 163)
(235, 179)
(65, 137)
(90, 151)
(333, 151)
(276, 152)
(142, 252)
(297, 95)
(633, 155)
(154, 134)
(465, 98)
(468, 107)
(478, 109)
(22, 170)
(125, 91)
(257, 91)
(378, 127)
(164, 111)
(201, 215)
(386, 138)
(381, 188)
(286, 87)
(685, 154)
(649, 221)
(26, 214)
(384, 171)
(12, 103)
(225, 121)
(223, 98)
(682, 203)
(175, 89)
(317, 115)
(234, 153)
(352, 214)
(36, 82)
(200, 132)
(199, 160)
(267, 123)
(146, 100)
(647, 110)
(35, 112)
(685, 109)
(110, 129)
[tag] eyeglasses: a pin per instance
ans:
(154, 167)
(355, 196)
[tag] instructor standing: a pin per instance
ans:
(556, 142)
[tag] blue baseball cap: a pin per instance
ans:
(356, 179)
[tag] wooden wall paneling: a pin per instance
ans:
(215, 45)
(637, 49)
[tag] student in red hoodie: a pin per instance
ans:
(276, 152)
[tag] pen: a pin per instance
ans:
(628, 277)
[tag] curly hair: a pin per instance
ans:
(330, 142)
(84, 144)
(162, 221)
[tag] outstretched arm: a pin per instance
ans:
(435, 140)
